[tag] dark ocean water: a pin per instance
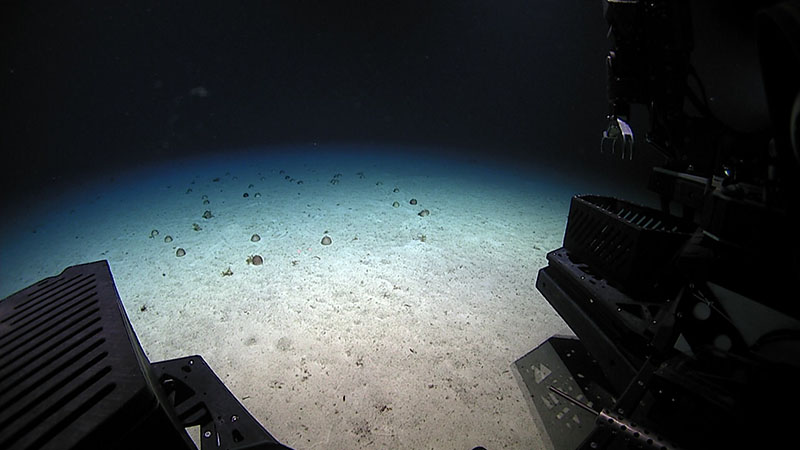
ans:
(98, 88)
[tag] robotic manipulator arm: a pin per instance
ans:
(732, 251)
(649, 65)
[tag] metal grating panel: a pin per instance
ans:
(564, 363)
(68, 357)
(626, 243)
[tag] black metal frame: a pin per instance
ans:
(667, 373)
(73, 375)
(199, 398)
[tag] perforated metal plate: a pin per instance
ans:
(562, 362)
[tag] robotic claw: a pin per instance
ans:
(686, 317)
(649, 65)
(618, 137)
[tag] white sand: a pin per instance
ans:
(400, 334)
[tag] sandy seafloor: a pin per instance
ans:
(399, 334)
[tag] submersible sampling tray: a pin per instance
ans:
(626, 243)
